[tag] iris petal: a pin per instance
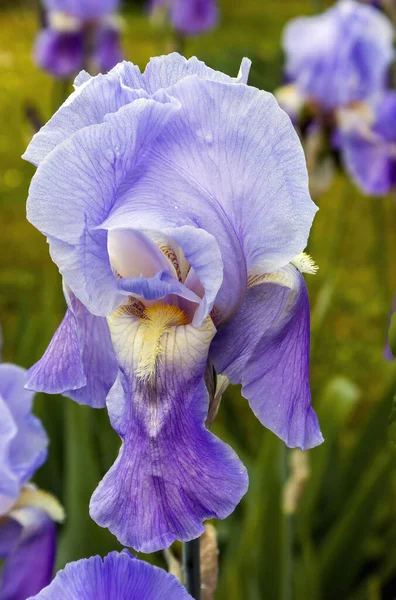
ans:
(119, 576)
(171, 473)
(60, 53)
(266, 348)
(72, 194)
(23, 441)
(30, 555)
(79, 361)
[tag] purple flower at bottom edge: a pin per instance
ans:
(340, 56)
(368, 146)
(189, 17)
(175, 203)
(28, 547)
(119, 576)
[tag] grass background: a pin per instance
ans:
(342, 541)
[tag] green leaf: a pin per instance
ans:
(335, 406)
(392, 426)
(257, 550)
(392, 334)
(341, 553)
(81, 536)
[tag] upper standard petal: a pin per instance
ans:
(75, 188)
(243, 180)
(95, 97)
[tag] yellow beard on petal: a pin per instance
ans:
(156, 321)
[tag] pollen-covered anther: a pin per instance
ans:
(305, 264)
(156, 321)
(171, 256)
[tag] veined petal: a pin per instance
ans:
(92, 100)
(74, 190)
(203, 254)
(30, 556)
(98, 96)
(164, 71)
(266, 348)
(171, 473)
(79, 361)
(60, 369)
(186, 251)
(119, 576)
(243, 180)
(159, 286)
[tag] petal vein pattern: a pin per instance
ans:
(82, 175)
(234, 181)
(266, 348)
(171, 473)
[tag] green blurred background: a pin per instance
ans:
(341, 542)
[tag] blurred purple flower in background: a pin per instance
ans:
(336, 62)
(368, 143)
(119, 576)
(23, 441)
(27, 530)
(79, 34)
(176, 207)
(188, 17)
(341, 56)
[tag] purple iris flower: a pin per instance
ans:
(119, 576)
(189, 17)
(27, 530)
(23, 441)
(175, 203)
(368, 143)
(80, 33)
(83, 9)
(28, 547)
(341, 56)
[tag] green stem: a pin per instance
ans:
(381, 250)
(191, 567)
(287, 534)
